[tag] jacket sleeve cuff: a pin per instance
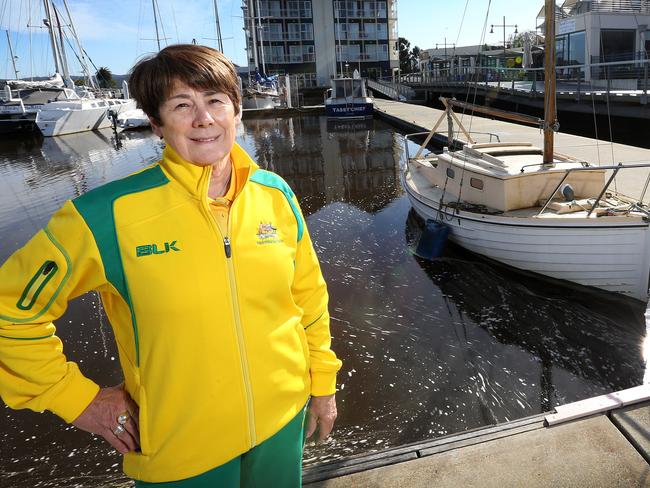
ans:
(323, 384)
(74, 397)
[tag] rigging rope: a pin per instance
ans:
(441, 204)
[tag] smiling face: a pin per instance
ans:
(199, 125)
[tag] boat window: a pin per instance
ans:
(93, 104)
(357, 89)
(476, 183)
(450, 173)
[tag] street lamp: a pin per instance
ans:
(504, 25)
(446, 58)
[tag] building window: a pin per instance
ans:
(617, 44)
(560, 50)
(576, 51)
(476, 183)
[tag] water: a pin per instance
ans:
(429, 347)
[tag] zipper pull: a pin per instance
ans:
(226, 246)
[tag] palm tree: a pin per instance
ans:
(105, 77)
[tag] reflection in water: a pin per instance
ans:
(429, 347)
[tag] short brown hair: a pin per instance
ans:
(199, 67)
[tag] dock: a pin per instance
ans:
(605, 443)
(418, 118)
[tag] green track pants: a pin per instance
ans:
(275, 463)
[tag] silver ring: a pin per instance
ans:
(123, 418)
(118, 430)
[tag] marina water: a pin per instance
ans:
(430, 348)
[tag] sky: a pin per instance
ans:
(115, 33)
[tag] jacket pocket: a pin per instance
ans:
(145, 446)
(36, 284)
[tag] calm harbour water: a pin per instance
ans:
(430, 348)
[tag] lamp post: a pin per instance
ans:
(504, 25)
(445, 44)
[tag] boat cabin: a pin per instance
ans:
(348, 88)
(510, 176)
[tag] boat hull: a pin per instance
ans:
(18, 124)
(611, 256)
(57, 122)
(259, 101)
(349, 110)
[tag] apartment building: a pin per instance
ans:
(317, 40)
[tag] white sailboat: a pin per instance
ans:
(534, 209)
(80, 111)
(261, 91)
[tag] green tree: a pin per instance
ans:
(415, 58)
(518, 40)
(404, 55)
(105, 78)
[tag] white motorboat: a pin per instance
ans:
(133, 119)
(348, 98)
(534, 209)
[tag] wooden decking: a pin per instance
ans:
(608, 449)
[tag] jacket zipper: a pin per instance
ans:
(235, 310)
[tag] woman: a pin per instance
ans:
(210, 281)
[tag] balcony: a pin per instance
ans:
(354, 13)
(290, 58)
(289, 13)
(362, 36)
(363, 57)
(288, 36)
(611, 6)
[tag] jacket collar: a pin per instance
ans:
(192, 178)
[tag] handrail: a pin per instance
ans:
(615, 168)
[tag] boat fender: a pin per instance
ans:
(433, 239)
(568, 192)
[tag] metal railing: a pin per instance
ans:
(618, 6)
(289, 58)
(615, 169)
(288, 36)
(629, 76)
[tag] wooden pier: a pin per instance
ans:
(418, 118)
(610, 448)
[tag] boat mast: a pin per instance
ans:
(11, 53)
(218, 26)
(50, 29)
(550, 113)
(84, 62)
(64, 59)
(261, 35)
(155, 20)
(251, 19)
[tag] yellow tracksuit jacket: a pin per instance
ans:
(222, 338)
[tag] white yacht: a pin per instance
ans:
(76, 114)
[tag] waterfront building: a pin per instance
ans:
(590, 33)
(318, 40)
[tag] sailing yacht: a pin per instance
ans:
(62, 108)
(23, 100)
(534, 209)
